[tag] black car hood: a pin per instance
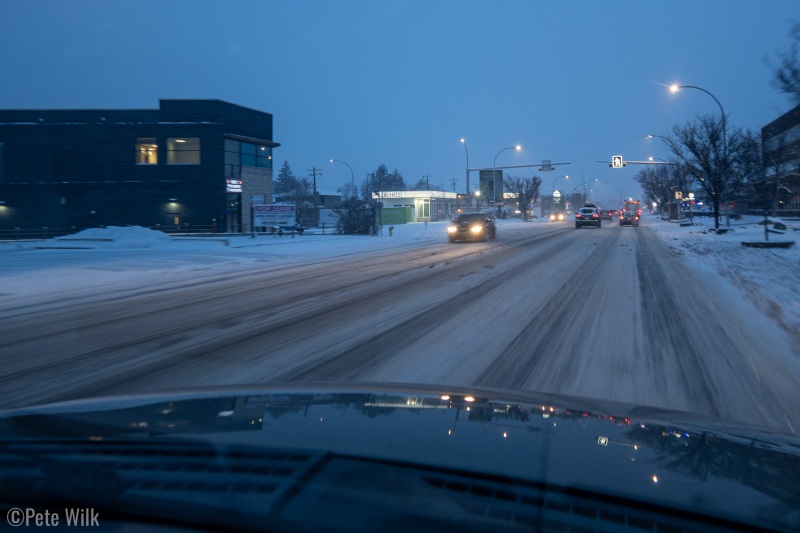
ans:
(569, 458)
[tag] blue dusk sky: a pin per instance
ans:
(400, 82)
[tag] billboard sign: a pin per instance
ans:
(274, 215)
(491, 182)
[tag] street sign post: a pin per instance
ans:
(617, 162)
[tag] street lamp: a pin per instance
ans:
(651, 158)
(674, 88)
(466, 151)
(352, 179)
(652, 135)
(517, 148)
(494, 172)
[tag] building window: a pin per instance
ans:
(264, 157)
(183, 150)
(233, 160)
(248, 155)
(244, 154)
(146, 151)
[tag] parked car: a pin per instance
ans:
(587, 216)
(471, 227)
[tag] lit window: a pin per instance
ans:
(146, 151)
(264, 155)
(183, 150)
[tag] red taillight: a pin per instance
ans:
(594, 216)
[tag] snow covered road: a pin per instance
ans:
(612, 313)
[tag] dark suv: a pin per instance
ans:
(587, 216)
(471, 227)
(629, 218)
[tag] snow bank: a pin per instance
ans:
(769, 277)
(115, 237)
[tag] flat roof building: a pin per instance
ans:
(780, 144)
(189, 162)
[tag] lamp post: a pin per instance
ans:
(517, 148)
(466, 151)
(494, 172)
(352, 178)
(651, 135)
(675, 88)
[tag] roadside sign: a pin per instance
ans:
(616, 161)
(274, 215)
(546, 165)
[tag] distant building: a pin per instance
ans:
(401, 207)
(780, 142)
(189, 162)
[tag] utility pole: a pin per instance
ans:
(314, 171)
(453, 183)
(427, 185)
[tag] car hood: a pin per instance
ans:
(500, 458)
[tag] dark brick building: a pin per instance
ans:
(194, 162)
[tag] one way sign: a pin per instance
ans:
(616, 161)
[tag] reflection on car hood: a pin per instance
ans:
(501, 459)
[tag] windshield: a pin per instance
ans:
(199, 195)
(477, 217)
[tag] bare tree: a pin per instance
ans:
(700, 150)
(723, 166)
(423, 184)
(656, 182)
(787, 75)
(525, 191)
(348, 190)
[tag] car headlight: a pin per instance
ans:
(451, 229)
(476, 229)
(552, 217)
(561, 217)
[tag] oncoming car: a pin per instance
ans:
(471, 227)
(557, 217)
(587, 216)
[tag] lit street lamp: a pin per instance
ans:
(352, 179)
(652, 135)
(675, 88)
(517, 148)
(466, 151)
(494, 172)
